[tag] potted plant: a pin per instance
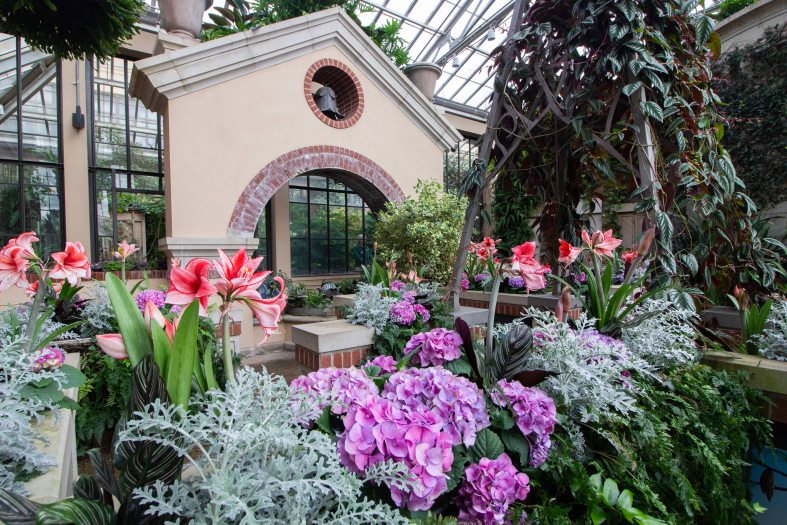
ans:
(183, 17)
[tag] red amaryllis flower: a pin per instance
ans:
(601, 243)
(524, 251)
(71, 264)
(240, 281)
(630, 255)
(568, 253)
(112, 345)
(190, 283)
(524, 262)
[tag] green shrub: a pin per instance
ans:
(426, 228)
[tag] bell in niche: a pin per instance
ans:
(325, 98)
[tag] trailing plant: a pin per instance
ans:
(426, 229)
(666, 337)
(240, 15)
(256, 463)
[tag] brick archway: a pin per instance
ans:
(360, 173)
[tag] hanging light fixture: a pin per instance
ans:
(490, 35)
(455, 61)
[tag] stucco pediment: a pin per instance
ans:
(158, 79)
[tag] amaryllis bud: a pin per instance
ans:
(152, 313)
(112, 345)
(565, 300)
(742, 297)
(647, 240)
(559, 311)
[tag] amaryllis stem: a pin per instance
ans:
(229, 373)
(123, 270)
(34, 309)
(490, 323)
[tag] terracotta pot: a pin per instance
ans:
(183, 17)
(424, 76)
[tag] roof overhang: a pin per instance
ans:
(158, 79)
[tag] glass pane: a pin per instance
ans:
(42, 206)
(299, 255)
(8, 126)
(143, 131)
(358, 254)
(370, 225)
(299, 195)
(10, 225)
(300, 180)
(145, 182)
(261, 232)
(332, 184)
(338, 257)
(140, 219)
(40, 113)
(109, 113)
(317, 181)
(318, 197)
(336, 199)
(320, 256)
(354, 200)
(354, 223)
(299, 220)
(319, 221)
(337, 223)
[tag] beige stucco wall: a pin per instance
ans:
(220, 137)
(747, 25)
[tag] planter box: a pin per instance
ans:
(724, 317)
(304, 311)
(331, 343)
(512, 304)
(56, 483)
(767, 375)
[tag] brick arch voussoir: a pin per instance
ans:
(275, 175)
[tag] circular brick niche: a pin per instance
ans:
(340, 78)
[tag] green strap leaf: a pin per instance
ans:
(184, 354)
(130, 320)
(161, 347)
(76, 512)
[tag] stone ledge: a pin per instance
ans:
(471, 315)
(330, 336)
(766, 374)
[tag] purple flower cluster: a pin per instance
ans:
(457, 401)
(516, 282)
(378, 429)
(397, 286)
(340, 386)
(385, 363)
(464, 283)
(437, 346)
(481, 277)
(488, 489)
(49, 358)
(155, 296)
(534, 412)
(405, 312)
(579, 277)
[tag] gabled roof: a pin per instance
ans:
(160, 78)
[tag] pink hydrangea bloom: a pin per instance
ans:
(402, 313)
(397, 286)
(488, 489)
(437, 346)
(465, 283)
(534, 412)
(340, 387)
(49, 358)
(379, 430)
(456, 400)
(409, 296)
(385, 363)
(423, 312)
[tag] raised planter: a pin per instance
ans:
(55, 484)
(512, 304)
(331, 343)
(724, 317)
(305, 311)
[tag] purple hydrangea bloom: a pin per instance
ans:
(481, 277)
(437, 346)
(379, 430)
(155, 296)
(385, 363)
(592, 337)
(456, 400)
(516, 282)
(409, 296)
(579, 277)
(340, 386)
(534, 412)
(402, 313)
(465, 283)
(49, 358)
(397, 286)
(488, 489)
(423, 312)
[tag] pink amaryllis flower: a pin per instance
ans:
(15, 259)
(112, 345)
(601, 243)
(524, 262)
(568, 253)
(71, 264)
(190, 283)
(152, 313)
(125, 250)
(24, 241)
(239, 280)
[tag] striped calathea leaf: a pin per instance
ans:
(509, 357)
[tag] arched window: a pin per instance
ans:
(330, 227)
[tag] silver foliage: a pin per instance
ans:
(249, 462)
(19, 457)
(666, 338)
(98, 313)
(772, 344)
(13, 323)
(370, 308)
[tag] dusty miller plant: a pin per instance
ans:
(13, 323)
(666, 338)
(370, 308)
(98, 313)
(773, 341)
(594, 377)
(19, 457)
(254, 463)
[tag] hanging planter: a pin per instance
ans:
(424, 76)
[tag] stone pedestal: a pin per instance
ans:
(187, 248)
(167, 42)
(331, 343)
